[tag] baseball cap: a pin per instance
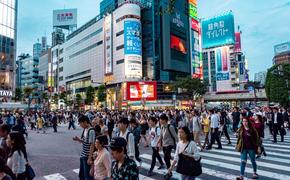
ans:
(118, 142)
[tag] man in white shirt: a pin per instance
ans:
(215, 135)
(123, 126)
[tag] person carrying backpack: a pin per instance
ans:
(135, 129)
(168, 139)
(87, 139)
(124, 132)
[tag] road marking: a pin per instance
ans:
(267, 144)
(55, 176)
(260, 164)
(142, 177)
(76, 171)
(279, 160)
(248, 170)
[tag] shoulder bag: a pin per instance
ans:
(187, 165)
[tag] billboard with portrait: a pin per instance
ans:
(218, 31)
(137, 91)
(65, 18)
(223, 69)
(133, 49)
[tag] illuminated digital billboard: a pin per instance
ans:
(218, 31)
(192, 11)
(137, 91)
(178, 44)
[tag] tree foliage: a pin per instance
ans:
(63, 95)
(79, 100)
(101, 93)
(18, 94)
(55, 98)
(276, 84)
(192, 86)
(44, 96)
(90, 95)
(27, 91)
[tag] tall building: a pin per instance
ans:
(58, 37)
(261, 77)
(37, 49)
(43, 68)
(8, 29)
(44, 45)
(29, 74)
(223, 60)
(108, 6)
(282, 53)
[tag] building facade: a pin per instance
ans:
(43, 68)
(282, 53)
(58, 37)
(261, 77)
(8, 39)
(37, 50)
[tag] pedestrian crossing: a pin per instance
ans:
(222, 163)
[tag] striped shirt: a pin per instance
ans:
(88, 138)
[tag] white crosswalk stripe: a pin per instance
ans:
(223, 163)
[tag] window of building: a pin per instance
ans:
(120, 47)
(61, 69)
(60, 60)
(120, 61)
(61, 78)
(120, 33)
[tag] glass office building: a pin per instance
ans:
(8, 14)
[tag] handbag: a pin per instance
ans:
(187, 165)
(30, 174)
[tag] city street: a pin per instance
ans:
(54, 156)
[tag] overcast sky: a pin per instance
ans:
(263, 23)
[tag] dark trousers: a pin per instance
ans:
(215, 137)
(84, 173)
(225, 131)
(167, 155)
(71, 125)
(21, 176)
(155, 155)
(137, 153)
(276, 128)
(54, 126)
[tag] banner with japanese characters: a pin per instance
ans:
(133, 49)
(218, 31)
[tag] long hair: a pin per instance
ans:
(187, 132)
(19, 144)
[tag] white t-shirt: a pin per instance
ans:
(153, 136)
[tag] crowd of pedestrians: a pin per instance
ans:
(111, 139)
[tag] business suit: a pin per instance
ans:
(277, 124)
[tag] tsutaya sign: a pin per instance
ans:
(4, 93)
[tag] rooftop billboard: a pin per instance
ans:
(65, 18)
(218, 31)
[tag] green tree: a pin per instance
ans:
(63, 96)
(18, 94)
(79, 100)
(277, 84)
(27, 91)
(101, 93)
(55, 98)
(90, 95)
(191, 86)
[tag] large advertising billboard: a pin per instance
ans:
(133, 49)
(65, 18)
(238, 47)
(218, 31)
(137, 91)
(178, 44)
(223, 69)
(108, 45)
(280, 48)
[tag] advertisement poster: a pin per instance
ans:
(192, 11)
(137, 91)
(238, 42)
(177, 44)
(222, 69)
(108, 45)
(133, 49)
(195, 25)
(65, 18)
(280, 48)
(218, 31)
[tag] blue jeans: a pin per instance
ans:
(244, 157)
(184, 177)
(84, 173)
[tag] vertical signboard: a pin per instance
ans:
(108, 45)
(238, 42)
(133, 49)
(223, 69)
(192, 11)
(218, 31)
